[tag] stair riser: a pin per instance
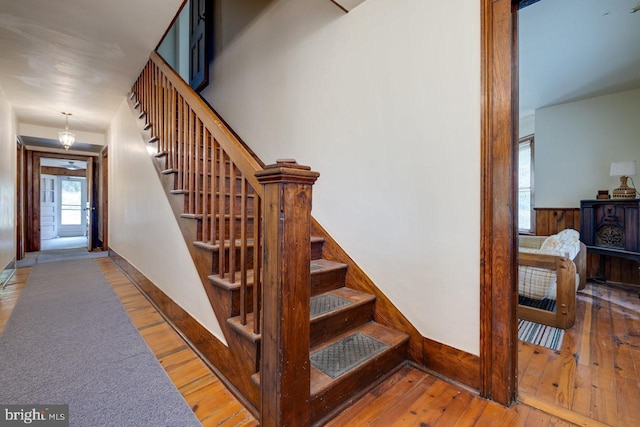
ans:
(316, 250)
(353, 383)
(237, 228)
(324, 281)
(340, 322)
(237, 207)
(215, 260)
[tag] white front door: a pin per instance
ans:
(48, 211)
(73, 197)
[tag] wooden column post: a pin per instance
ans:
(284, 368)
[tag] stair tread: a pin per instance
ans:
(200, 216)
(392, 338)
(317, 266)
(353, 296)
(215, 246)
(325, 264)
(321, 382)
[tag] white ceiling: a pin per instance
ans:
(77, 56)
(577, 49)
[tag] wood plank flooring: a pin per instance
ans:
(594, 376)
(596, 373)
(207, 396)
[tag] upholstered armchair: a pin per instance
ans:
(551, 268)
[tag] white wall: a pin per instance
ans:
(385, 103)
(527, 126)
(142, 227)
(8, 126)
(576, 143)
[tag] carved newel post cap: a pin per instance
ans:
(287, 170)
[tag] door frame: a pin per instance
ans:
(32, 194)
(499, 130)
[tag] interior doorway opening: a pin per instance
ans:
(63, 204)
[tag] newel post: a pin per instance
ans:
(284, 368)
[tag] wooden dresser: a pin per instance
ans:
(611, 227)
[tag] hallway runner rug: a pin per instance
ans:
(70, 341)
(542, 335)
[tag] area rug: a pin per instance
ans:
(70, 341)
(542, 335)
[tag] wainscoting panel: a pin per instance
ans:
(552, 220)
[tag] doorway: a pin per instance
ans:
(62, 209)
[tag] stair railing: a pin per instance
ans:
(209, 162)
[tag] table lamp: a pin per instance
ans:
(624, 170)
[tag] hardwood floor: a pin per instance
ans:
(597, 371)
(600, 382)
(209, 399)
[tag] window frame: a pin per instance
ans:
(529, 139)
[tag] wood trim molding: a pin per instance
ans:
(498, 303)
(50, 170)
(211, 349)
(456, 364)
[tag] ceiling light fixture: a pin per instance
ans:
(72, 167)
(66, 138)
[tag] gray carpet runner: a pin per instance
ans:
(70, 341)
(325, 303)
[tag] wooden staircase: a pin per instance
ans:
(215, 186)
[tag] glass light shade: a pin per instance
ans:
(66, 138)
(623, 168)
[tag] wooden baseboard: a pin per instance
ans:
(212, 351)
(456, 364)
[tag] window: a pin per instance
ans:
(525, 185)
(70, 202)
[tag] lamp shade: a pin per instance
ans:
(623, 168)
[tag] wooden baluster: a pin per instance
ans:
(168, 119)
(257, 263)
(221, 210)
(160, 112)
(205, 183)
(197, 166)
(181, 131)
(232, 222)
(214, 186)
(164, 118)
(286, 292)
(190, 167)
(145, 83)
(172, 127)
(153, 108)
(243, 253)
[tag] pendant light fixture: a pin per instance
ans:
(66, 138)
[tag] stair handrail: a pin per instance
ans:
(229, 142)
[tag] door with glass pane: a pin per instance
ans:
(73, 220)
(48, 214)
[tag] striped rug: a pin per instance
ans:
(542, 335)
